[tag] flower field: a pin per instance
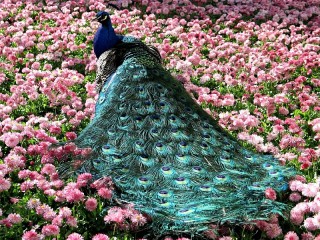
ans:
(253, 64)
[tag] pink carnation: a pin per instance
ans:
(31, 235)
(105, 193)
(50, 230)
(14, 218)
(295, 197)
(100, 237)
(74, 236)
(4, 184)
(65, 212)
(270, 194)
(291, 236)
(74, 195)
(91, 204)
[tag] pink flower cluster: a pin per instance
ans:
(125, 218)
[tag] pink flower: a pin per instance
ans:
(296, 185)
(72, 221)
(65, 212)
(74, 195)
(273, 230)
(310, 190)
(74, 236)
(14, 218)
(4, 184)
(55, 130)
(71, 135)
(270, 194)
(296, 216)
(307, 236)
(33, 203)
(50, 230)
(102, 182)
(138, 219)
(49, 214)
(295, 197)
(57, 220)
(105, 193)
(83, 179)
(310, 224)
(31, 235)
(48, 169)
(91, 204)
(12, 140)
(100, 237)
(115, 214)
(291, 236)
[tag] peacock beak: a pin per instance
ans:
(104, 18)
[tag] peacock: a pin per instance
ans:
(164, 153)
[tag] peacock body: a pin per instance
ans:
(165, 154)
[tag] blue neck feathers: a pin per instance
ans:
(105, 38)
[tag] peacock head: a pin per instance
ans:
(103, 18)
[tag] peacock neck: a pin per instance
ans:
(105, 39)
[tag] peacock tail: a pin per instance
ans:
(165, 154)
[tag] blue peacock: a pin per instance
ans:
(165, 154)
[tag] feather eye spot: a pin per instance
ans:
(204, 145)
(274, 173)
(122, 106)
(155, 130)
(221, 177)
(206, 136)
(143, 180)
(144, 157)
(101, 99)
(205, 188)
(164, 193)
(147, 103)
(111, 132)
(267, 166)
(162, 104)
(183, 144)
(106, 147)
(185, 211)
(188, 109)
(165, 169)
(138, 119)
(197, 169)
(174, 130)
(165, 204)
(172, 118)
(159, 145)
(181, 181)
